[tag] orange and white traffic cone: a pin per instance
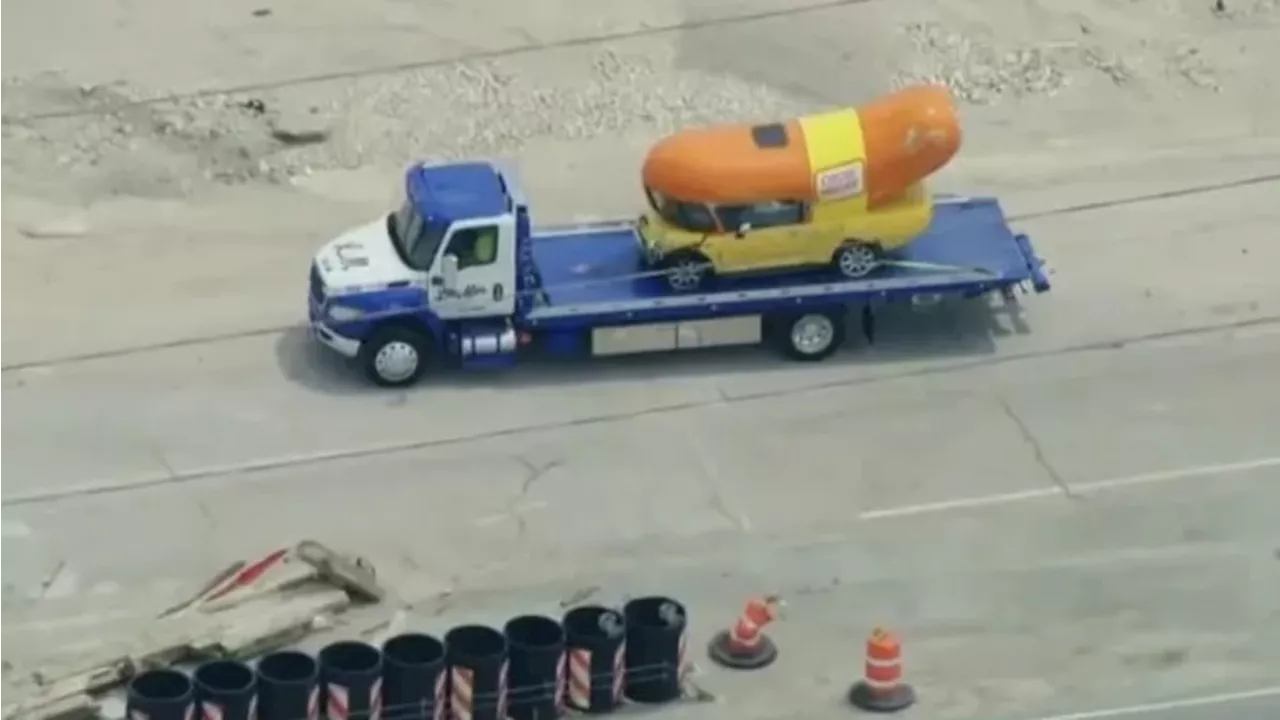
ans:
(744, 646)
(882, 690)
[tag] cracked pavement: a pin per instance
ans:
(1029, 437)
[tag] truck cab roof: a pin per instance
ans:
(457, 191)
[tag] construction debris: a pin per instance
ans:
(247, 609)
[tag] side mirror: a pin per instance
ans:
(743, 229)
(449, 272)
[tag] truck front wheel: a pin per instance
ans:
(394, 356)
(808, 337)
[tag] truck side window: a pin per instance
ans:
(684, 215)
(474, 247)
(774, 214)
(695, 217)
(732, 216)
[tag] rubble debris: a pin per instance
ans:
(255, 106)
(355, 575)
(580, 596)
(296, 128)
(246, 610)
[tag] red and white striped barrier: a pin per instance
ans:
(579, 690)
(502, 689)
(619, 672)
(461, 693)
(337, 704)
(560, 690)
(375, 700)
(682, 657)
(442, 698)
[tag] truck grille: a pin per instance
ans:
(317, 285)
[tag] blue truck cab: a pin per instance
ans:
(458, 274)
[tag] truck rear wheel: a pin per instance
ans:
(808, 337)
(394, 356)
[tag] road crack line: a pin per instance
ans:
(533, 473)
(1037, 450)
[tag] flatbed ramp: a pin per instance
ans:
(599, 272)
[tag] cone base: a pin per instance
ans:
(863, 697)
(720, 650)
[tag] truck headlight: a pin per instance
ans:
(344, 313)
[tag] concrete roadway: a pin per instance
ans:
(1057, 519)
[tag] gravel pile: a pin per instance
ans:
(462, 110)
(977, 70)
(637, 88)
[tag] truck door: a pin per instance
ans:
(474, 276)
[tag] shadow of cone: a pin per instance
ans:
(864, 697)
(722, 650)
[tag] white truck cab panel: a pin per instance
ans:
(474, 273)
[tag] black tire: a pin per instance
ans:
(396, 340)
(856, 260)
(824, 330)
(685, 271)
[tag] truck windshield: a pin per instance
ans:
(685, 215)
(416, 238)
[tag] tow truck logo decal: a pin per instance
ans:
(466, 293)
(350, 256)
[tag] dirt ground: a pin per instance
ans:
(168, 170)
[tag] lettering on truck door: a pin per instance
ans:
(485, 284)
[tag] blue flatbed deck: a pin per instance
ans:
(598, 272)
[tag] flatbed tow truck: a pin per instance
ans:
(410, 290)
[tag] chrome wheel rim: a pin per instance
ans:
(812, 334)
(857, 261)
(685, 275)
(396, 361)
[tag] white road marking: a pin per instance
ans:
(1149, 708)
(62, 583)
(517, 511)
(14, 529)
(1077, 489)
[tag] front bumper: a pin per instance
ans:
(651, 250)
(344, 346)
(341, 344)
